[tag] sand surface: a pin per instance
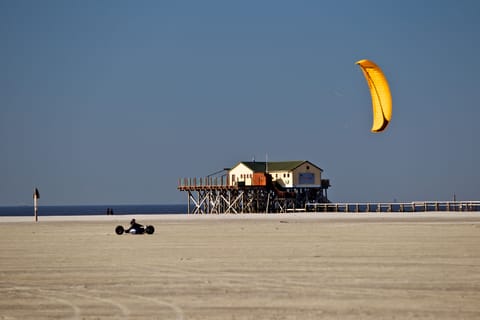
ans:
(242, 267)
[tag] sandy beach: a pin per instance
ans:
(287, 266)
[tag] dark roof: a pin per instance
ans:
(256, 166)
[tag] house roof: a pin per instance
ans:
(256, 166)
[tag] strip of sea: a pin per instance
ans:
(82, 210)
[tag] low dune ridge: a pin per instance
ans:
(255, 266)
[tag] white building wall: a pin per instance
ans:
(240, 173)
(284, 178)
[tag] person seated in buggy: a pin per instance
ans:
(135, 227)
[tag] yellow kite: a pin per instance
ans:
(380, 92)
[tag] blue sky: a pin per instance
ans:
(111, 102)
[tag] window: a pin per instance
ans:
(306, 178)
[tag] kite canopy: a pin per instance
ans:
(380, 92)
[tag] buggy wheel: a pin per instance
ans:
(149, 229)
(119, 230)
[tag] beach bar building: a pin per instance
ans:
(257, 187)
(287, 174)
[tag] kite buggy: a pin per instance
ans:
(135, 228)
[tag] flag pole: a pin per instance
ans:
(35, 209)
(36, 195)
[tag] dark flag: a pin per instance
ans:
(36, 194)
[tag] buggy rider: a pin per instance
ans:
(134, 227)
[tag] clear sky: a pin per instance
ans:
(111, 102)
